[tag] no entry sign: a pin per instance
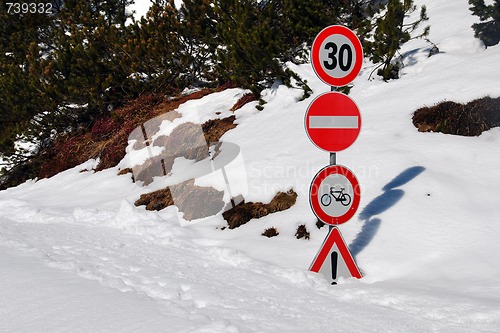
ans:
(336, 55)
(333, 121)
(334, 194)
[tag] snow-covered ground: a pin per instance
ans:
(77, 255)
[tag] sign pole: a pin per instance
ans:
(333, 158)
(333, 161)
(332, 123)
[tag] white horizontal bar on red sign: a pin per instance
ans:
(333, 122)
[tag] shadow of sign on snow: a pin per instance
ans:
(380, 204)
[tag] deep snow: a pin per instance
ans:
(77, 255)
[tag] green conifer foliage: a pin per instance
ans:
(391, 32)
(488, 30)
(300, 21)
(60, 69)
(257, 38)
(248, 52)
(172, 48)
(23, 41)
(85, 68)
(197, 43)
(60, 72)
(153, 45)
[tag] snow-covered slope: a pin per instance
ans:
(77, 255)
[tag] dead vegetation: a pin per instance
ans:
(302, 232)
(469, 119)
(245, 99)
(245, 211)
(156, 200)
(320, 224)
(214, 129)
(270, 232)
(141, 133)
(108, 136)
(187, 140)
(194, 201)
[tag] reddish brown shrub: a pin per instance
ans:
(270, 232)
(469, 119)
(247, 98)
(320, 224)
(194, 201)
(104, 128)
(67, 152)
(245, 211)
(108, 137)
(302, 232)
(214, 129)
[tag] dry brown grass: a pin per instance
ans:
(214, 129)
(270, 232)
(245, 99)
(194, 201)
(245, 211)
(302, 232)
(124, 171)
(108, 137)
(320, 224)
(469, 119)
(156, 200)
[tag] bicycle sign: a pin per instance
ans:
(344, 198)
(334, 194)
(336, 55)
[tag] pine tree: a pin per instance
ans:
(300, 21)
(59, 70)
(247, 31)
(24, 40)
(85, 69)
(197, 43)
(258, 38)
(153, 45)
(391, 32)
(488, 30)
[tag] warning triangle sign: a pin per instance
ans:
(334, 259)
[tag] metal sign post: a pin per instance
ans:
(333, 123)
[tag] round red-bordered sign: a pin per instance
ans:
(337, 55)
(334, 194)
(332, 121)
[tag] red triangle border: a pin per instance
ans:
(334, 237)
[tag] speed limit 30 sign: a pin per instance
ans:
(337, 55)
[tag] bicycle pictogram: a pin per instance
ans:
(342, 197)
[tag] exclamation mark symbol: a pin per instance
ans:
(334, 258)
